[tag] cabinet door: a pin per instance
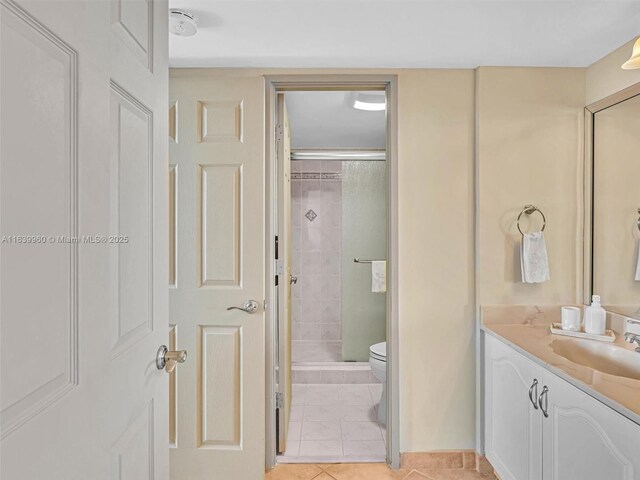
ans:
(513, 427)
(586, 440)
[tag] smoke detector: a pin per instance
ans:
(182, 23)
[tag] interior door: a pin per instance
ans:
(283, 364)
(83, 220)
(219, 170)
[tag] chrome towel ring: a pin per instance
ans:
(530, 209)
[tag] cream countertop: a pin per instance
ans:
(530, 336)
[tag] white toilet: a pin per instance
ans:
(378, 362)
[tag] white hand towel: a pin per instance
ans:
(638, 265)
(378, 276)
(534, 259)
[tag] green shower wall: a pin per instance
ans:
(364, 235)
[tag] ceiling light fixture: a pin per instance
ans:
(182, 23)
(634, 61)
(370, 101)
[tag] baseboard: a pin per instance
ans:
(450, 459)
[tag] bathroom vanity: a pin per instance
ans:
(562, 408)
(549, 417)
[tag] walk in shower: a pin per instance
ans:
(338, 215)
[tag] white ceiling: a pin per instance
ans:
(327, 120)
(402, 33)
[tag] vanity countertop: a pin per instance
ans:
(536, 342)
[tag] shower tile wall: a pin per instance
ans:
(316, 220)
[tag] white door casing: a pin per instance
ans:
(283, 178)
(83, 176)
(219, 174)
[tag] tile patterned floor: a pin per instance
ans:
(366, 471)
(335, 421)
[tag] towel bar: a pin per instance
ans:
(530, 209)
(357, 260)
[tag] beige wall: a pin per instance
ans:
(436, 274)
(529, 150)
(605, 77)
(528, 143)
(435, 136)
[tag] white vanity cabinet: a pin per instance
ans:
(561, 433)
(513, 422)
(583, 439)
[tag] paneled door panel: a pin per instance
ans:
(586, 440)
(83, 220)
(219, 263)
(283, 374)
(513, 426)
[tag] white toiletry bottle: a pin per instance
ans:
(595, 318)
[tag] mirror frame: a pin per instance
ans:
(589, 117)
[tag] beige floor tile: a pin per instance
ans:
(365, 471)
(293, 472)
(416, 476)
(324, 476)
(455, 474)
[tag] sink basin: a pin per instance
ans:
(604, 357)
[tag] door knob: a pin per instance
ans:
(169, 359)
(250, 306)
(293, 279)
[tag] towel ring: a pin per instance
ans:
(529, 209)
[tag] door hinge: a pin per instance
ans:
(279, 133)
(279, 400)
(279, 267)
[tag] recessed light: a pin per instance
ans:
(370, 101)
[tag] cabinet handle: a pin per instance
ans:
(544, 394)
(532, 396)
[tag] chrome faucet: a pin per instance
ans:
(633, 337)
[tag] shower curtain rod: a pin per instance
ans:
(373, 155)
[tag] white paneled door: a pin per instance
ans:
(285, 279)
(217, 165)
(83, 199)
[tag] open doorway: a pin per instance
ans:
(331, 293)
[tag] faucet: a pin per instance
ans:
(632, 337)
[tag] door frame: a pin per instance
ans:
(275, 84)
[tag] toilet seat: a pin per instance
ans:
(378, 351)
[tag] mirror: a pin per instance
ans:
(615, 235)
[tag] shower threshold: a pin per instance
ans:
(332, 373)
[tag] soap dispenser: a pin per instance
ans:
(595, 318)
